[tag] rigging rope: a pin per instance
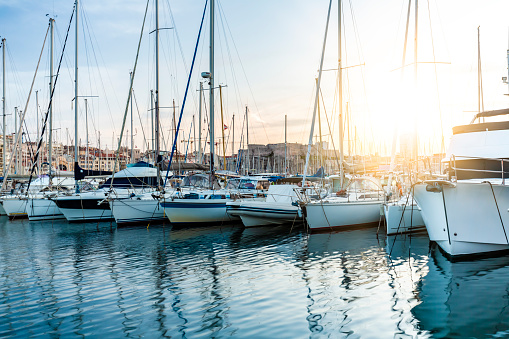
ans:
(16, 143)
(41, 138)
(185, 96)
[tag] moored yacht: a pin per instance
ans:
(279, 207)
(403, 216)
(196, 204)
(358, 205)
(467, 213)
(93, 205)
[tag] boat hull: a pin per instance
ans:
(76, 209)
(341, 215)
(197, 212)
(137, 212)
(401, 219)
(43, 209)
(15, 207)
(466, 218)
(260, 213)
(2, 210)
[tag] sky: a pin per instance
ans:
(267, 58)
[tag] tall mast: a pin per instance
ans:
(86, 133)
(286, 147)
(222, 126)
(340, 100)
(152, 147)
(415, 79)
(38, 132)
(4, 172)
(156, 127)
(211, 94)
(233, 138)
(132, 130)
(199, 122)
(319, 149)
(247, 141)
(194, 137)
(317, 93)
(76, 145)
(16, 152)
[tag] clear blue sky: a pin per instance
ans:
(267, 56)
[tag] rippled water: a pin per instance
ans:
(94, 280)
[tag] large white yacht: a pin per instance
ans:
(467, 213)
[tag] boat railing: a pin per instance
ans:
(452, 165)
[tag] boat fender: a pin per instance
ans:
(340, 193)
(434, 188)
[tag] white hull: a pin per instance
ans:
(15, 207)
(330, 215)
(467, 218)
(43, 209)
(86, 215)
(261, 213)
(133, 211)
(411, 221)
(85, 207)
(194, 211)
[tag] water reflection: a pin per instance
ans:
(464, 299)
(59, 279)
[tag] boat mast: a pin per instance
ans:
(156, 127)
(3, 110)
(247, 142)
(16, 138)
(86, 133)
(199, 122)
(152, 124)
(132, 130)
(415, 79)
(76, 146)
(286, 147)
(222, 126)
(211, 94)
(233, 138)
(38, 129)
(317, 93)
(340, 101)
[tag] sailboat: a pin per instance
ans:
(202, 206)
(41, 207)
(353, 204)
(143, 207)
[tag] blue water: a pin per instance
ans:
(97, 281)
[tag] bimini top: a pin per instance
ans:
(481, 140)
(484, 126)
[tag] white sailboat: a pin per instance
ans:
(279, 207)
(403, 216)
(203, 206)
(356, 204)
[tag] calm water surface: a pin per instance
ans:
(96, 281)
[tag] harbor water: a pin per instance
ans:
(95, 280)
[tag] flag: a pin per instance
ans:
(225, 127)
